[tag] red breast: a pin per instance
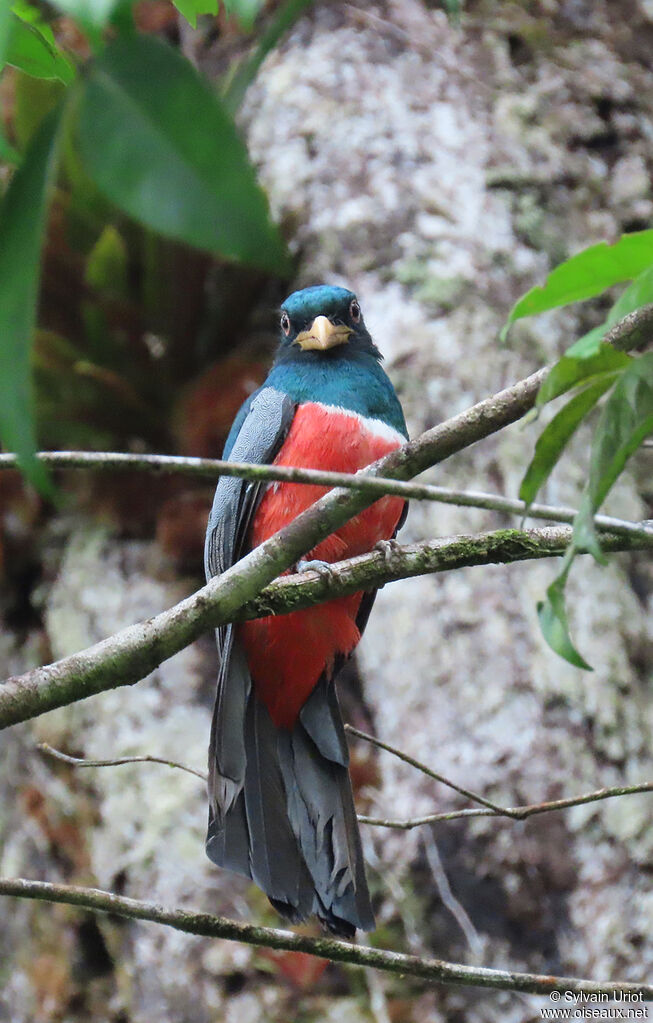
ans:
(288, 654)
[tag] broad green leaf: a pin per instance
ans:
(244, 75)
(158, 144)
(22, 225)
(570, 371)
(588, 273)
(555, 437)
(626, 420)
(555, 627)
(191, 9)
(30, 51)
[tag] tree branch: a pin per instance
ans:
(511, 812)
(433, 970)
(132, 653)
(373, 570)
(373, 486)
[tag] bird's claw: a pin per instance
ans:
(323, 568)
(388, 549)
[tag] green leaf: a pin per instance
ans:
(555, 437)
(22, 225)
(29, 51)
(586, 274)
(191, 9)
(572, 370)
(552, 615)
(245, 73)
(158, 144)
(245, 11)
(626, 421)
(5, 31)
(585, 537)
(637, 294)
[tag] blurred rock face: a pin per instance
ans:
(438, 174)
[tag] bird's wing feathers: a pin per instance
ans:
(259, 439)
(262, 433)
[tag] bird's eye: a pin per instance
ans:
(285, 323)
(355, 312)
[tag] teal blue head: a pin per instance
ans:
(323, 322)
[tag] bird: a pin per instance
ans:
(281, 808)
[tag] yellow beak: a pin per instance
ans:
(323, 334)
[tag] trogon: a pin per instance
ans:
(281, 807)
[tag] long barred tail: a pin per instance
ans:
(292, 825)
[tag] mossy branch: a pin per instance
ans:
(435, 971)
(132, 653)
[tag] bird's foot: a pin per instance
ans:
(323, 568)
(388, 549)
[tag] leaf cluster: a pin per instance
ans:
(590, 370)
(124, 122)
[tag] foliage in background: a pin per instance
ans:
(131, 129)
(588, 370)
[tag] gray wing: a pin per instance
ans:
(261, 435)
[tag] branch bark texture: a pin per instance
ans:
(433, 970)
(133, 652)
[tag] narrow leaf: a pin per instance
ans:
(552, 615)
(157, 142)
(626, 421)
(22, 225)
(555, 437)
(588, 273)
(282, 20)
(30, 51)
(572, 370)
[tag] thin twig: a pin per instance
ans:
(520, 813)
(118, 762)
(207, 925)
(457, 910)
(491, 809)
(212, 468)
(474, 796)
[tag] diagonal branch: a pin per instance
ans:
(135, 651)
(206, 925)
(132, 653)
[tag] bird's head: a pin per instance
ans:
(326, 321)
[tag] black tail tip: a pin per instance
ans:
(332, 923)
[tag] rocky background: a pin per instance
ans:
(438, 170)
